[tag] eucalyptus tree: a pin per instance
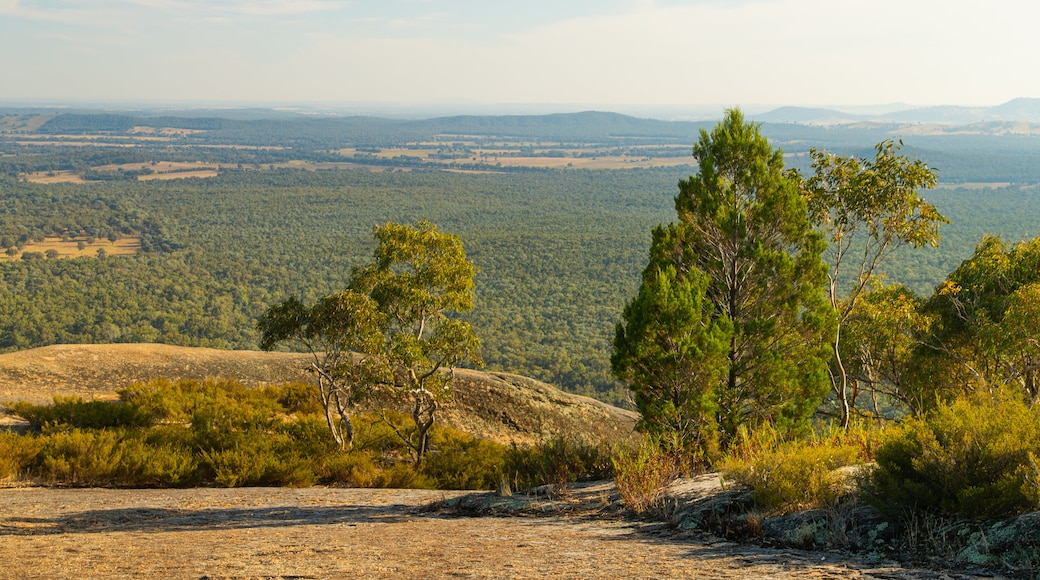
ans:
(343, 334)
(867, 209)
(420, 280)
(392, 336)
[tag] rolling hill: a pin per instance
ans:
(498, 406)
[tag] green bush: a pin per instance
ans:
(140, 464)
(219, 403)
(75, 412)
(353, 469)
(79, 457)
(461, 461)
(17, 453)
(169, 434)
(968, 458)
(557, 462)
(801, 473)
(259, 461)
(296, 398)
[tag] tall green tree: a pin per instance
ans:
(672, 355)
(392, 336)
(420, 279)
(988, 321)
(868, 209)
(744, 227)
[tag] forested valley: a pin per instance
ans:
(558, 249)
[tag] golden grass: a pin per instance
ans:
(202, 173)
(53, 177)
(501, 157)
(70, 249)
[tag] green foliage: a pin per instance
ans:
(987, 324)
(461, 461)
(332, 330)
(421, 280)
(219, 432)
(558, 462)
(208, 405)
(76, 412)
(802, 473)
(967, 458)
(642, 474)
(868, 209)
(80, 457)
(259, 461)
(879, 345)
(16, 454)
(398, 314)
(745, 247)
(672, 355)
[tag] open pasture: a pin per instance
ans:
(70, 248)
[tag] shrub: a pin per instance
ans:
(801, 473)
(796, 475)
(296, 398)
(557, 462)
(75, 412)
(352, 469)
(968, 458)
(219, 402)
(257, 461)
(140, 464)
(461, 461)
(17, 453)
(642, 474)
(78, 457)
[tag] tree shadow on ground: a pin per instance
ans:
(174, 520)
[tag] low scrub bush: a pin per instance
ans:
(461, 461)
(17, 453)
(642, 474)
(256, 462)
(142, 465)
(79, 457)
(970, 458)
(169, 434)
(75, 412)
(798, 474)
(557, 462)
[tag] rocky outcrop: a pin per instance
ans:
(497, 406)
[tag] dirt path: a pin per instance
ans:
(336, 533)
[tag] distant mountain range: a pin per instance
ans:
(1021, 110)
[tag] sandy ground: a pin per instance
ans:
(360, 533)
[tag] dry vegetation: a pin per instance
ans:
(544, 155)
(126, 246)
(498, 406)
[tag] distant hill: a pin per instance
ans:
(807, 115)
(498, 406)
(359, 130)
(1016, 110)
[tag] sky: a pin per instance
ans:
(605, 54)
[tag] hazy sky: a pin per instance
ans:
(589, 52)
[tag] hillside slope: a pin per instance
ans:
(498, 406)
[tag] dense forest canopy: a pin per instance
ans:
(558, 250)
